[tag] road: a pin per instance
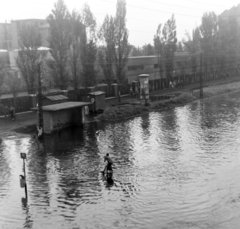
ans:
(28, 120)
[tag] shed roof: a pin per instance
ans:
(10, 96)
(56, 97)
(96, 93)
(63, 106)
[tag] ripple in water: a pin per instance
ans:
(174, 169)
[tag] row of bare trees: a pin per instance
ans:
(217, 38)
(74, 47)
(165, 44)
(79, 51)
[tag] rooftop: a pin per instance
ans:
(56, 97)
(176, 54)
(63, 106)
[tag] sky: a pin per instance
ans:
(143, 16)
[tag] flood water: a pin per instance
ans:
(178, 169)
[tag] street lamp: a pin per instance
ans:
(201, 76)
(40, 112)
(201, 73)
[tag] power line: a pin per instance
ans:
(146, 20)
(137, 6)
(147, 9)
(205, 3)
(166, 12)
(163, 3)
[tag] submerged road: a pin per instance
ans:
(174, 169)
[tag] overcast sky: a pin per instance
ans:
(143, 16)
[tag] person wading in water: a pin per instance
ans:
(108, 167)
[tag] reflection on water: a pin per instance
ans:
(174, 169)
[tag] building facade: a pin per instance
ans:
(9, 38)
(150, 65)
(5, 36)
(40, 24)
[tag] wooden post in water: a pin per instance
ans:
(24, 172)
(23, 180)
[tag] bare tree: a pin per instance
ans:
(170, 45)
(29, 55)
(14, 84)
(209, 31)
(59, 42)
(107, 52)
(2, 73)
(88, 47)
(165, 44)
(122, 47)
(159, 49)
(193, 46)
(75, 48)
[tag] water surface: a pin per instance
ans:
(174, 169)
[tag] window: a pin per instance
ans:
(149, 66)
(156, 65)
(135, 67)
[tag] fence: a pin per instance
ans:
(23, 102)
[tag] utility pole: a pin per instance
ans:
(40, 112)
(201, 76)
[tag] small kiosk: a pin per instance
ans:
(144, 89)
(63, 115)
(97, 100)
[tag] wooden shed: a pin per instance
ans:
(97, 100)
(62, 115)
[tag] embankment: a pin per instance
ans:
(129, 110)
(26, 123)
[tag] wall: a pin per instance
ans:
(47, 122)
(149, 65)
(41, 24)
(5, 36)
(57, 120)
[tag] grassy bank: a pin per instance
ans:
(130, 110)
(215, 90)
(125, 111)
(26, 123)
